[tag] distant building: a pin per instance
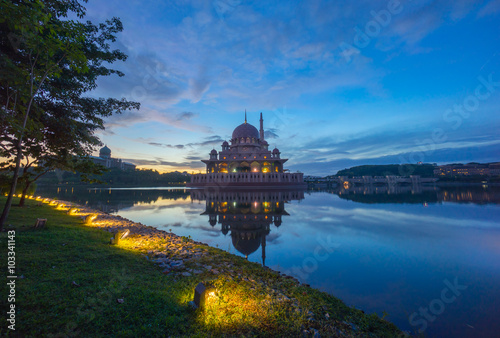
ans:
(247, 162)
(106, 160)
(470, 169)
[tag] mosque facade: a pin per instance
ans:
(247, 162)
(107, 161)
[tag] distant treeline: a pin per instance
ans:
(117, 177)
(423, 170)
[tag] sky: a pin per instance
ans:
(339, 83)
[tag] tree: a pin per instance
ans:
(47, 64)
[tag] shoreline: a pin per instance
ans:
(180, 257)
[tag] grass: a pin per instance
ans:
(73, 281)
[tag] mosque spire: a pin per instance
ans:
(245, 116)
(261, 128)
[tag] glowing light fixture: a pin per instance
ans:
(90, 218)
(119, 235)
(203, 293)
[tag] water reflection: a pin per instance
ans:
(394, 246)
(114, 199)
(418, 194)
(246, 215)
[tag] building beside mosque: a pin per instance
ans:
(247, 162)
(106, 160)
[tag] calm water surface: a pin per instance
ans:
(426, 257)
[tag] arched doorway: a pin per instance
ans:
(223, 167)
(266, 167)
(244, 167)
(255, 167)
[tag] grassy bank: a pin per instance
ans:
(72, 282)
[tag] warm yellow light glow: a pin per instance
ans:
(90, 218)
(211, 296)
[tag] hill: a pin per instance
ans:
(423, 170)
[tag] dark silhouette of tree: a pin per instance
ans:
(47, 65)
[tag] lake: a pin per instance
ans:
(426, 258)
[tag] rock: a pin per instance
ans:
(186, 274)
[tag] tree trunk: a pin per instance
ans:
(13, 185)
(23, 196)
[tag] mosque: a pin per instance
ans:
(247, 162)
(106, 160)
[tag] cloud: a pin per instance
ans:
(271, 134)
(194, 158)
(186, 116)
(163, 145)
(210, 140)
(491, 8)
(327, 155)
(194, 63)
(162, 162)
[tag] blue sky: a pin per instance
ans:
(339, 84)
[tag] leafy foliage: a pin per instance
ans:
(47, 64)
(423, 170)
(117, 177)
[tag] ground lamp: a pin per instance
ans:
(119, 235)
(203, 293)
(90, 218)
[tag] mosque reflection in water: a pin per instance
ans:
(247, 216)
